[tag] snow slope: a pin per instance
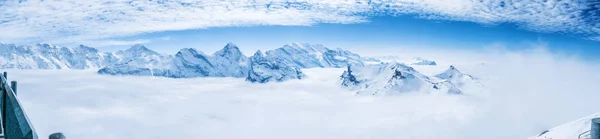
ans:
(314, 55)
(570, 130)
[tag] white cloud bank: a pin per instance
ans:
(528, 92)
(76, 21)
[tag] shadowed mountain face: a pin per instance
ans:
(263, 69)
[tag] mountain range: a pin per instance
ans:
(186, 63)
(366, 76)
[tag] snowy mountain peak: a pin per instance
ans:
(231, 61)
(138, 47)
(231, 45)
(86, 49)
(83, 46)
(229, 50)
(451, 72)
(258, 54)
(45, 45)
(140, 50)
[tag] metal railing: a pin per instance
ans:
(584, 135)
(14, 122)
(594, 132)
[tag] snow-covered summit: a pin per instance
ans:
(189, 62)
(140, 50)
(231, 61)
(229, 50)
(451, 72)
(459, 79)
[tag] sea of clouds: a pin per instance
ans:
(526, 92)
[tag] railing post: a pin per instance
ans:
(595, 130)
(13, 86)
(3, 99)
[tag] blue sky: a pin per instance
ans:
(169, 25)
(383, 31)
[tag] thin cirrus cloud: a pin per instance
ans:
(73, 21)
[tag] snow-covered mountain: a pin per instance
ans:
(265, 69)
(187, 63)
(454, 76)
(392, 59)
(230, 61)
(138, 60)
(311, 56)
(393, 78)
(578, 129)
(46, 56)
(421, 61)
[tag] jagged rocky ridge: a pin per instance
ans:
(396, 78)
(265, 69)
(311, 56)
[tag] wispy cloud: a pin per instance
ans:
(165, 38)
(113, 42)
(96, 19)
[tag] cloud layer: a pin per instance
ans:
(526, 93)
(80, 21)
